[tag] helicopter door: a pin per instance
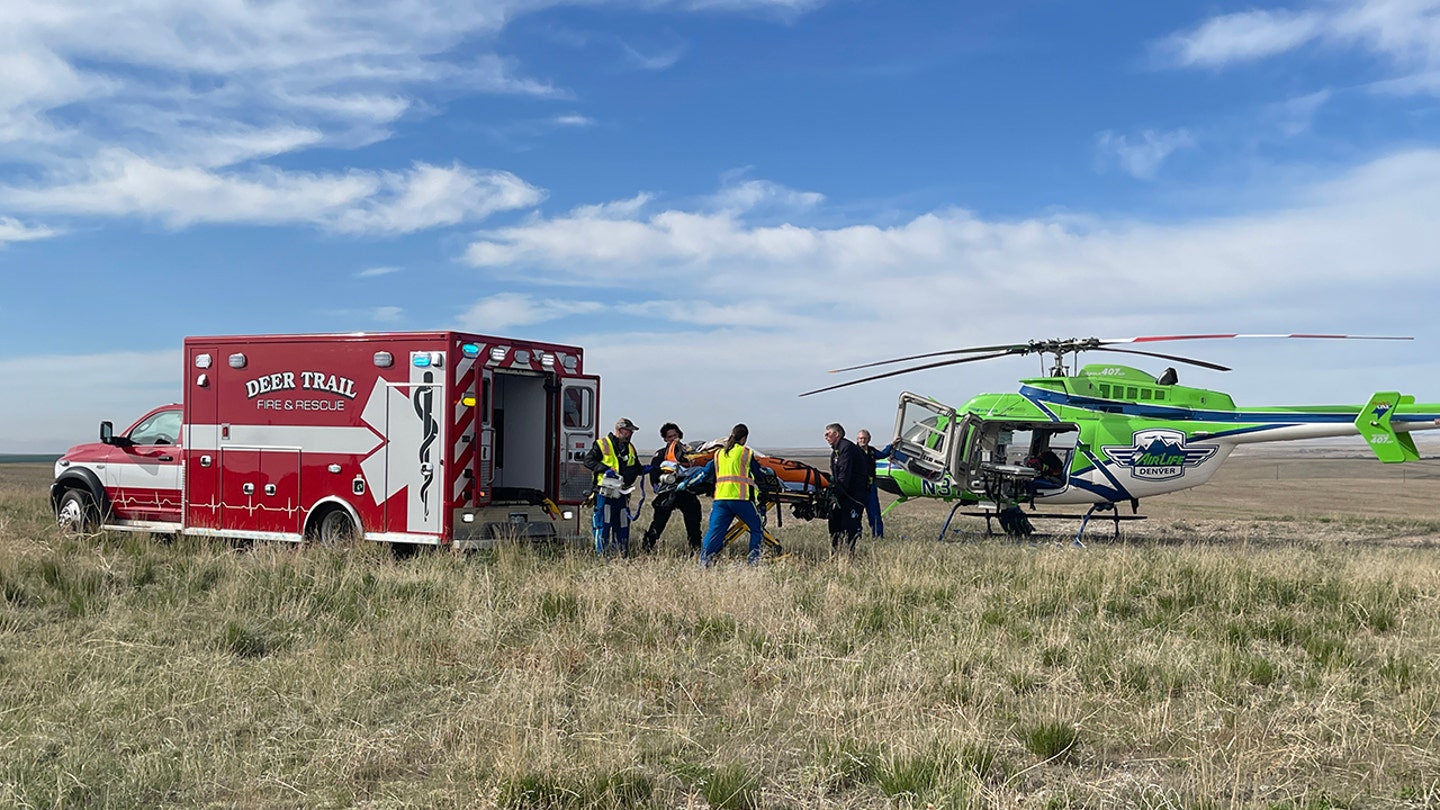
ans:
(926, 435)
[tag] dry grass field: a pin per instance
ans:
(1267, 641)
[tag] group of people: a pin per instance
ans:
(734, 470)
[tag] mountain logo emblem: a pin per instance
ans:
(1159, 454)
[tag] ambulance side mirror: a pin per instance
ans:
(107, 433)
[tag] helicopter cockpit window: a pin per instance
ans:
(1064, 441)
(925, 431)
(924, 427)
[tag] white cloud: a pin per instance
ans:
(663, 60)
(1296, 115)
(1241, 37)
(372, 272)
(388, 314)
(506, 310)
(740, 196)
(131, 100)
(573, 120)
(789, 7)
(739, 311)
(432, 195)
(820, 297)
(1142, 157)
(1423, 83)
(674, 239)
(12, 230)
(119, 183)
(1404, 34)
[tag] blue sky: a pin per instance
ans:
(718, 199)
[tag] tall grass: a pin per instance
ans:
(143, 673)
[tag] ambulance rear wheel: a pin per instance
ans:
(77, 512)
(334, 528)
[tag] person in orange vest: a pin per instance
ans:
(616, 467)
(667, 469)
(735, 471)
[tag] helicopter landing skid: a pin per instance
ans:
(994, 514)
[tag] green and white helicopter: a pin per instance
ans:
(1116, 433)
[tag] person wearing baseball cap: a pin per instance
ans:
(616, 466)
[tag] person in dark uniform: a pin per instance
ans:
(667, 469)
(849, 487)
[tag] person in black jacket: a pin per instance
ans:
(667, 468)
(849, 487)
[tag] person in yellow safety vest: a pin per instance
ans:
(616, 466)
(734, 470)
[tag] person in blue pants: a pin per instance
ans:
(734, 470)
(616, 466)
(872, 504)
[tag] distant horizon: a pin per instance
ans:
(1301, 447)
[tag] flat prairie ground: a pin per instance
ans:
(1266, 641)
(1277, 498)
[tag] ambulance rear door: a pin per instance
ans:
(579, 417)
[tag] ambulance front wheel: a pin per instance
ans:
(334, 528)
(77, 512)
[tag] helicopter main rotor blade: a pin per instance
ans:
(1297, 336)
(1176, 358)
(1090, 344)
(905, 371)
(1009, 348)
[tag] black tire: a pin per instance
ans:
(77, 512)
(333, 528)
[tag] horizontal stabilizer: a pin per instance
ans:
(1374, 424)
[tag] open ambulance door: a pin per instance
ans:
(485, 449)
(579, 428)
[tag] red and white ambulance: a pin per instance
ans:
(437, 438)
